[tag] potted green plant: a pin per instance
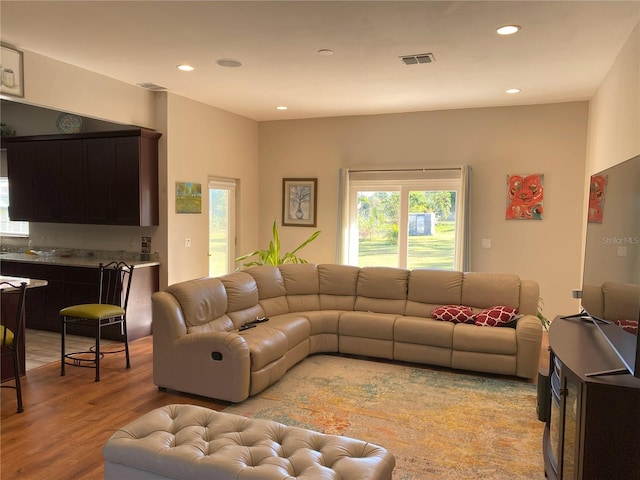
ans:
(271, 256)
(543, 320)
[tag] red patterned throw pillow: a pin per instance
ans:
(496, 316)
(454, 313)
(628, 326)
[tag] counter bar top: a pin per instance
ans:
(73, 261)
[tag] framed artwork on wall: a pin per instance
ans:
(597, 194)
(188, 197)
(525, 195)
(11, 74)
(299, 206)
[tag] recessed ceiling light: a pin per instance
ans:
(508, 29)
(325, 52)
(281, 107)
(229, 63)
(512, 91)
(185, 68)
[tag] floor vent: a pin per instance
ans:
(152, 86)
(417, 59)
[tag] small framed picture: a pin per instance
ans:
(188, 197)
(299, 206)
(11, 72)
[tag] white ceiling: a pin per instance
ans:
(562, 53)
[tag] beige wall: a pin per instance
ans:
(614, 136)
(203, 141)
(548, 139)
(60, 86)
(614, 115)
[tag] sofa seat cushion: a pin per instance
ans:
(266, 345)
(323, 321)
(424, 331)
(296, 328)
(472, 338)
(367, 324)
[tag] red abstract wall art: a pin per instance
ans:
(525, 197)
(597, 195)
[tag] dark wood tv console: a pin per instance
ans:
(593, 430)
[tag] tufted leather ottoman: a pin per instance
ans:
(187, 442)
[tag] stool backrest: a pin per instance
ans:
(115, 282)
(12, 304)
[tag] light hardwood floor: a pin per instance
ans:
(67, 420)
(43, 348)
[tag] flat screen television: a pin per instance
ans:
(611, 276)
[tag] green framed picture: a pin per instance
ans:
(188, 197)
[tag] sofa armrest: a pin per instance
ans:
(211, 364)
(529, 339)
(529, 297)
(214, 365)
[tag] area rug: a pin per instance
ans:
(439, 424)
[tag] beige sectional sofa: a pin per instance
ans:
(372, 311)
(612, 301)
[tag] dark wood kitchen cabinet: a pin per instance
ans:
(71, 285)
(107, 178)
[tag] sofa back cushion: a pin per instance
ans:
(382, 290)
(204, 304)
(481, 290)
(302, 285)
(271, 289)
(242, 297)
(338, 284)
(429, 289)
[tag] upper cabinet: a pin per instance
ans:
(107, 178)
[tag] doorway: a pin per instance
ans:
(222, 225)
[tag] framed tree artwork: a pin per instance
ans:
(299, 196)
(188, 197)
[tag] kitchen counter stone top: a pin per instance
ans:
(79, 260)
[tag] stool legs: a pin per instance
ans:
(126, 340)
(97, 355)
(97, 350)
(16, 372)
(62, 346)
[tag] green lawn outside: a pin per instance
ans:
(218, 255)
(428, 251)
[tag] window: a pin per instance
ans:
(408, 219)
(7, 227)
(222, 232)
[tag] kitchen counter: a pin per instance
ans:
(75, 261)
(74, 279)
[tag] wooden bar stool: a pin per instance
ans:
(12, 295)
(111, 309)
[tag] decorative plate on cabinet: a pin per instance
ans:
(68, 123)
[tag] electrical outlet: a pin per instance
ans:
(187, 243)
(486, 243)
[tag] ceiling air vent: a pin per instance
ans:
(152, 86)
(416, 59)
